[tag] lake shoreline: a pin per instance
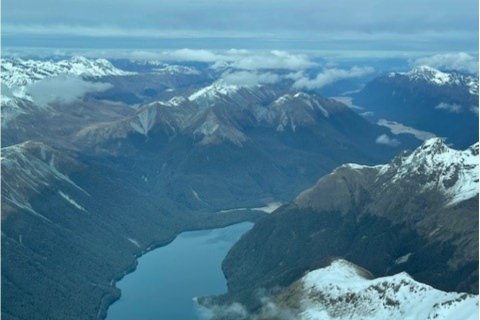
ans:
(109, 299)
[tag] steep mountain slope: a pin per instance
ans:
(70, 230)
(386, 218)
(270, 144)
(445, 103)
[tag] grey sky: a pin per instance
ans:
(407, 25)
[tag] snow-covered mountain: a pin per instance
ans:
(16, 72)
(433, 166)
(417, 214)
(220, 113)
(221, 92)
(426, 99)
(343, 291)
(174, 69)
(439, 78)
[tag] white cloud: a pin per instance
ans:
(332, 75)
(64, 88)
(272, 60)
(295, 75)
(249, 78)
(474, 109)
(453, 108)
(232, 311)
(5, 91)
(386, 140)
(229, 59)
(461, 61)
(193, 55)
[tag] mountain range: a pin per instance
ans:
(92, 179)
(443, 103)
(416, 214)
(342, 290)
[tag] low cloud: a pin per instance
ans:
(234, 311)
(272, 60)
(64, 88)
(474, 109)
(330, 76)
(386, 140)
(193, 55)
(451, 61)
(5, 91)
(243, 59)
(249, 78)
(452, 108)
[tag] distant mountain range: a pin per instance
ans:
(444, 103)
(417, 214)
(19, 72)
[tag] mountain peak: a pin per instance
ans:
(434, 145)
(339, 291)
(215, 90)
(429, 74)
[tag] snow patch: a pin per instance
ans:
(135, 242)
(71, 201)
(403, 259)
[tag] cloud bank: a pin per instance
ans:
(386, 140)
(340, 25)
(63, 88)
(461, 61)
(249, 78)
(330, 76)
(452, 108)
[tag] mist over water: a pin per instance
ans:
(167, 279)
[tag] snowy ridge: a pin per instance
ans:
(439, 78)
(18, 72)
(454, 173)
(10, 109)
(292, 111)
(341, 291)
(214, 91)
(429, 74)
(175, 69)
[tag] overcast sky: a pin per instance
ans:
(369, 25)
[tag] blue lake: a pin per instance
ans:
(167, 279)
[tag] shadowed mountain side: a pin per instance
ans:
(69, 231)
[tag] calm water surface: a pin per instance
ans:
(168, 278)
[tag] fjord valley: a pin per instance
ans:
(104, 160)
